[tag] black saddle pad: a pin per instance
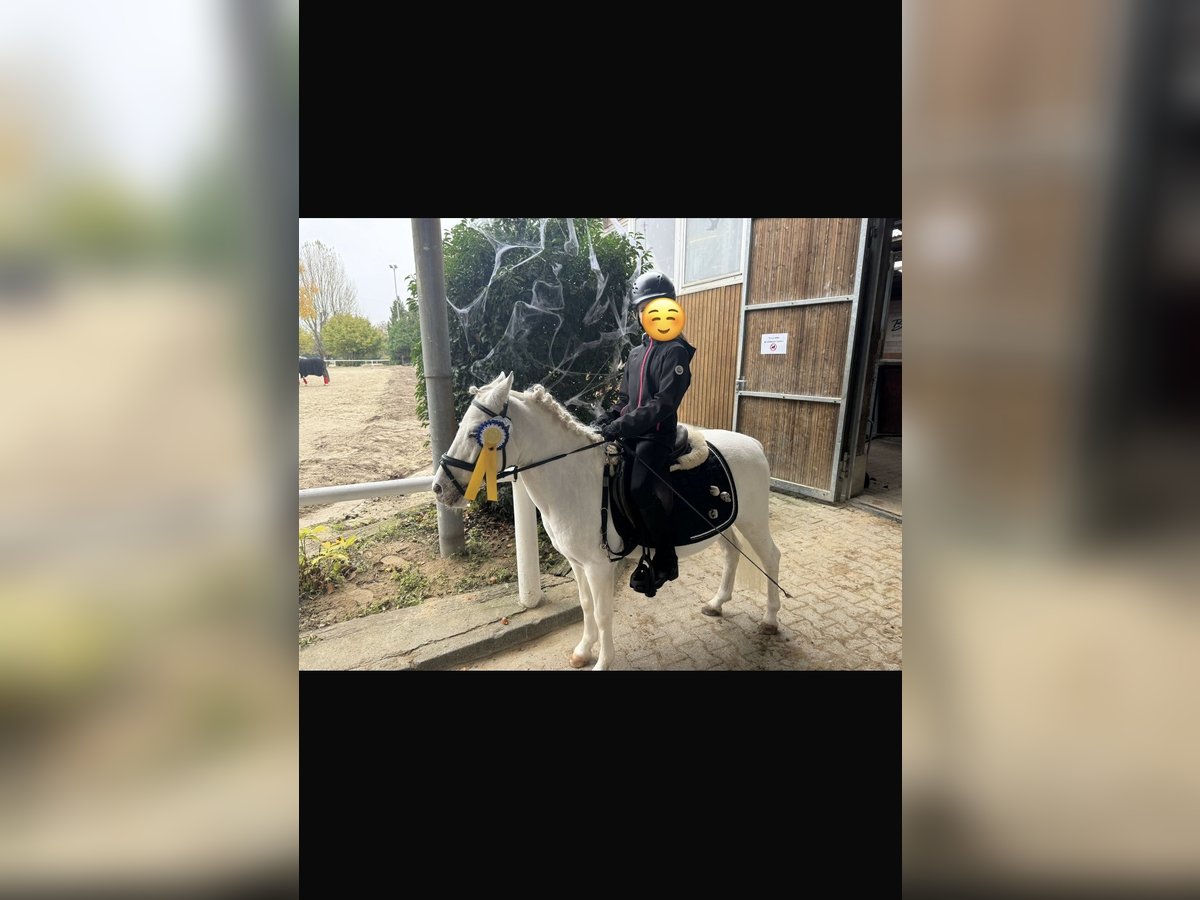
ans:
(705, 503)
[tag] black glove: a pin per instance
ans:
(611, 431)
(604, 418)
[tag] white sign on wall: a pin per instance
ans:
(774, 343)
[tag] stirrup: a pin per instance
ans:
(642, 580)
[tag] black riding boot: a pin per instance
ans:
(666, 566)
(653, 498)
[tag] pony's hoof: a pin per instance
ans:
(764, 628)
(709, 611)
(578, 662)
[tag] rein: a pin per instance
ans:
(447, 460)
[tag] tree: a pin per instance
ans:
(325, 289)
(106, 221)
(351, 337)
(545, 299)
(307, 345)
(404, 328)
(209, 224)
(308, 311)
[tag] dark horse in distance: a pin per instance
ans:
(313, 365)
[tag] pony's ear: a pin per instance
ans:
(497, 388)
(496, 393)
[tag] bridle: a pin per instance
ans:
(506, 470)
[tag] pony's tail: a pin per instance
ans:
(748, 578)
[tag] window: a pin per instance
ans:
(660, 241)
(712, 250)
(696, 253)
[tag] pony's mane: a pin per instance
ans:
(538, 394)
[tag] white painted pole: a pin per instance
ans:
(335, 493)
(529, 575)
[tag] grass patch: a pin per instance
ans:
(477, 546)
(414, 523)
(499, 574)
(414, 586)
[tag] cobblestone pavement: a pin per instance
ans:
(842, 565)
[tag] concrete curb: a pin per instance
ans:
(526, 625)
(443, 632)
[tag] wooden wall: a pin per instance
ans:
(712, 328)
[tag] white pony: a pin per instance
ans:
(567, 492)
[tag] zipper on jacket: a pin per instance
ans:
(642, 376)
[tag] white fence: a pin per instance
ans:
(360, 362)
(529, 576)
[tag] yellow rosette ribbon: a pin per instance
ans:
(491, 435)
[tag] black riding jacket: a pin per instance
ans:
(656, 377)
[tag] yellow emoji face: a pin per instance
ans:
(663, 319)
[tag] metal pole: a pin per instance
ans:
(435, 351)
(880, 250)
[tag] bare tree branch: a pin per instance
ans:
(325, 289)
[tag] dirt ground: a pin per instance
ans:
(363, 426)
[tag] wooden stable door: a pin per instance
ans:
(799, 305)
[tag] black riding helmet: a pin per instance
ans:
(651, 285)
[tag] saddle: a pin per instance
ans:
(705, 496)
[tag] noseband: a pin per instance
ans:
(447, 460)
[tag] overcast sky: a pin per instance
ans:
(142, 86)
(367, 247)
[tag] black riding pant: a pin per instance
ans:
(650, 493)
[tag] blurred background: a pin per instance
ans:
(147, 688)
(149, 153)
(1052, 225)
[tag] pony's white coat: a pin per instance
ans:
(567, 492)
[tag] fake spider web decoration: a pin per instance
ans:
(566, 313)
